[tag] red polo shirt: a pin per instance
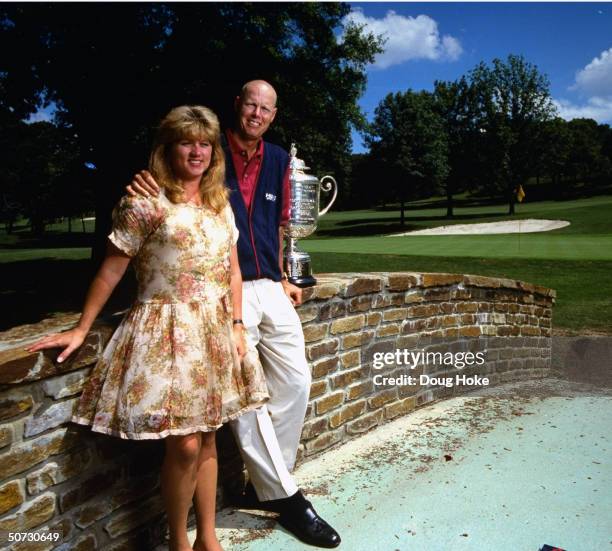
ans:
(247, 172)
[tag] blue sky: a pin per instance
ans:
(569, 42)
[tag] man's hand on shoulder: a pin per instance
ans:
(143, 184)
(293, 292)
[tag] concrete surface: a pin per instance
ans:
(506, 468)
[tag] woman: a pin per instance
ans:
(172, 369)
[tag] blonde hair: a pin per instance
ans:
(190, 122)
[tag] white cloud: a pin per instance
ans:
(595, 83)
(599, 109)
(407, 38)
(596, 78)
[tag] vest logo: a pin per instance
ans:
(270, 197)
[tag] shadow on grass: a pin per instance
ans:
(50, 240)
(33, 290)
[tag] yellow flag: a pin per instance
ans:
(520, 194)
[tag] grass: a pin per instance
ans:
(576, 260)
(44, 276)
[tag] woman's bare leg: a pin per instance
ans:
(205, 496)
(178, 482)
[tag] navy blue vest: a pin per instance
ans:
(258, 243)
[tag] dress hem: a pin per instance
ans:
(169, 432)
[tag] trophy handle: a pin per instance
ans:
(327, 186)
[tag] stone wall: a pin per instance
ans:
(103, 493)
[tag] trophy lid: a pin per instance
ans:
(295, 163)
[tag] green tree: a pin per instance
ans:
(408, 141)
(456, 103)
(114, 69)
(555, 152)
(586, 159)
(514, 100)
(42, 153)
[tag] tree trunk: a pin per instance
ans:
(512, 200)
(449, 201)
(69, 224)
(83, 223)
(402, 217)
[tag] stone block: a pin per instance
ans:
(402, 282)
(450, 321)
(365, 422)
(347, 413)
(423, 310)
(345, 378)
(314, 428)
(55, 415)
(358, 389)
(437, 295)
(360, 304)
(91, 513)
(382, 397)
(19, 366)
(363, 285)
(30, 514)
(402, 407)
(373, 319)
(126, 521)
(12, 494)
(317, 388)
(7, 435)
(348, 324)
(89, 488)
(323, 442)
(59, 470)
(65, 385)
(307, 313)
(320, 349)
(14, 403)
(350, 359)
(331, 310)
(357, 339)
(470, 331)
(33, 546)
(388, 330)
(323, 367)
(424, 397)
(316, 332)
(329, 402)
(23, 456)
(327, 290)
(395, 314)
(414, 297)
(440, 280)
(86, 542)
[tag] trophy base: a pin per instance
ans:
(303, 282)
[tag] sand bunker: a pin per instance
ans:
(531, 225)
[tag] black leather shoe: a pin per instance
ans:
(307, 526)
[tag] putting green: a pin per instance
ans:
(545, 246)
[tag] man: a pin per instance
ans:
(268, 438)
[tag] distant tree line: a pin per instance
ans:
(41, 179)
(114, 69)
(488, 132)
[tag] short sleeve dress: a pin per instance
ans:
(171, 367)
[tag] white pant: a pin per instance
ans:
(268, 437)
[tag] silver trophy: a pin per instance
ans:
(303, 217)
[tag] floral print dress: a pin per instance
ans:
(171, 366)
